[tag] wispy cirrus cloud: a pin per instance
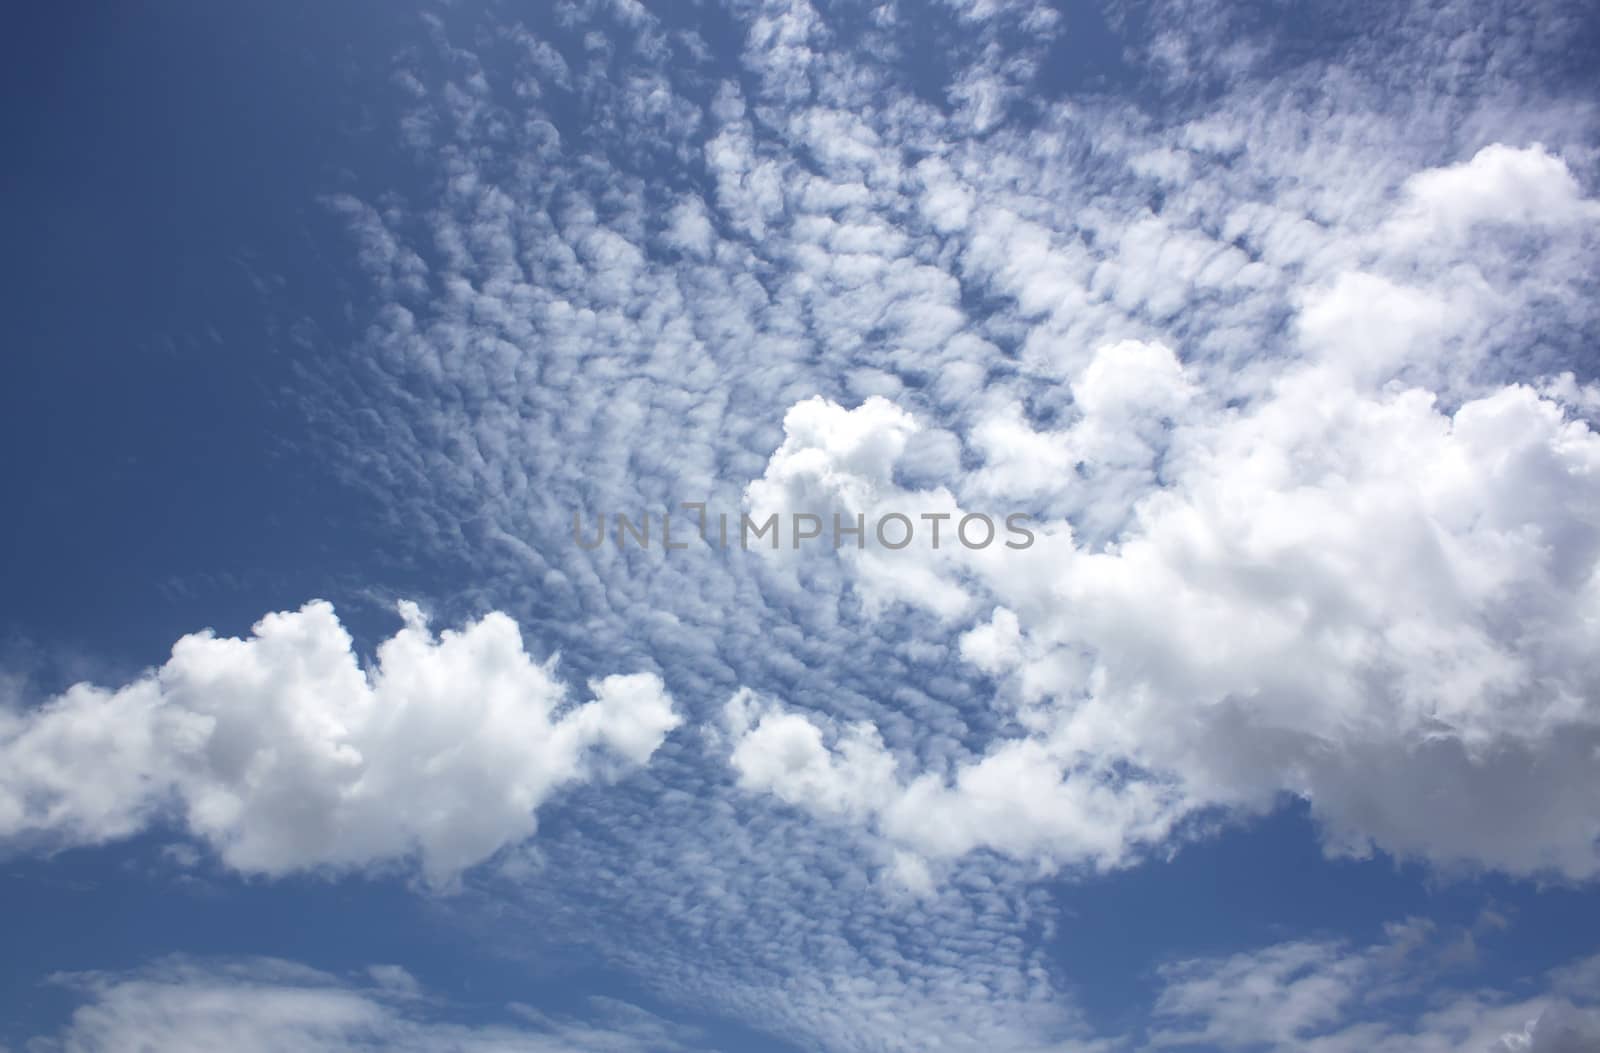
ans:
(190, 1005)
(1331, 996)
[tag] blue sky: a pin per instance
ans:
(318, 730)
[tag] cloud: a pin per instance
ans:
(1020, 799)
(1404, 591)
(1288, 403)
(282, 753)
(1332, 997)
(194, 1005)
(1343, 587)
(1500, 185)
(1323, 996)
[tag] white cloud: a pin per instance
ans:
(785, 753)
(1331, 997)
(282, 753)
(1274, 507)
(1344, 594)
(1341, 587)
(1500, 185)
(188, 1005)
(1022, 799)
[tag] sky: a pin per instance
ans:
(1261, 334)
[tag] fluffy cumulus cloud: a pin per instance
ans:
(281, 752)
(1365, 584)
(1021, 798)
(186, 1005)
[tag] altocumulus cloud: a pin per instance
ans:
(282, 753)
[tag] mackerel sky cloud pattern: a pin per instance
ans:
(1276, 325)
